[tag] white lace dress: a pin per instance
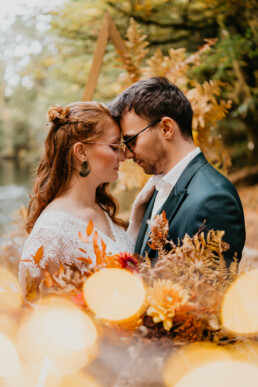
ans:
(57, 232)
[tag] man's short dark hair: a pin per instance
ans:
(154, 98)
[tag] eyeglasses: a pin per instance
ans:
(132, 139)
(116, 147)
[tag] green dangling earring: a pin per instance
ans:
(84, 172)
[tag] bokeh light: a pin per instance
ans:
(206, 364)
(10, 292)
(240, 306)
(222, 373)
(9, 357)
(78, 380)
(114, 294)
(57, 330)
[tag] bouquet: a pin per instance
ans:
(183, 291)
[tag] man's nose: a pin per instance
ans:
(128, 154)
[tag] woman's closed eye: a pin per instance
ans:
(115, 148)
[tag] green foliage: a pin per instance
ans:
(62, 44)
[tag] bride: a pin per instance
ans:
(83, 151)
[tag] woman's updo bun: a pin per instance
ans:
(57, 112)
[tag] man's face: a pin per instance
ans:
(148, 149)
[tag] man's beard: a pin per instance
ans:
(150, 168)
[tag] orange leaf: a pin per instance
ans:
(89, 228)
(83, 250)
(83, 238)
(151, 246)
(103, 252)
(164, 216)
(97, 251)
(39, 254)
(86, 260)
(48, 279)
(23, 211)
(61, 268)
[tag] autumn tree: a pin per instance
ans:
(175, 24)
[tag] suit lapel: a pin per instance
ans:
(170, 207)
(176, 197)
(144, 225)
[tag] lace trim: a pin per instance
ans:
(58, 231)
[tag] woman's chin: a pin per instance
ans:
(112, 178)
(116, 175)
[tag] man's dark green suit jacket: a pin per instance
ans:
(201, 193)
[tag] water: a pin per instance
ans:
(15, 185)
(16, 182)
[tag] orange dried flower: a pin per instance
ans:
(159, 231)
(57, 112)
(163, 298)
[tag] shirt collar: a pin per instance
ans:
(170, 179)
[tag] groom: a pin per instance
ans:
(156, 122)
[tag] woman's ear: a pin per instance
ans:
(168, 127)
(80, 151)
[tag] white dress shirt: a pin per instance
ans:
(165, 183)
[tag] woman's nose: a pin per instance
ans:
(121, 155)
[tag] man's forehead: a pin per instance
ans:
(131, 123)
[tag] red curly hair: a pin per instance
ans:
(74, 123)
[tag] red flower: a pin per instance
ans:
(127, 261)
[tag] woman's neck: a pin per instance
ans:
(81, 192)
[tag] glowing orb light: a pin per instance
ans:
(78, 380)
(9, 358)
(8, 324)
(114, 294)
(58, 330)
(10, 293)
(29, 377)
(223, 374)
(240, 306)
(205, 364)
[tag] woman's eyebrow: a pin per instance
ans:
(114, 140)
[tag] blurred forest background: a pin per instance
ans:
(46, 58)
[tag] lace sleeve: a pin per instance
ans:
(53, 243)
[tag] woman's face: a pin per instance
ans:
(103, 155)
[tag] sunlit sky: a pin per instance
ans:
(10, 8)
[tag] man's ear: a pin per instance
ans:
(80, 151)
(168, 127)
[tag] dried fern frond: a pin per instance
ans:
(136, 52)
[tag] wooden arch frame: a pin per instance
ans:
(108, 31)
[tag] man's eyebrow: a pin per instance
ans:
(128, 137)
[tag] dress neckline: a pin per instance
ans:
(69, 215)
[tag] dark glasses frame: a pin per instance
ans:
(133, 138)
